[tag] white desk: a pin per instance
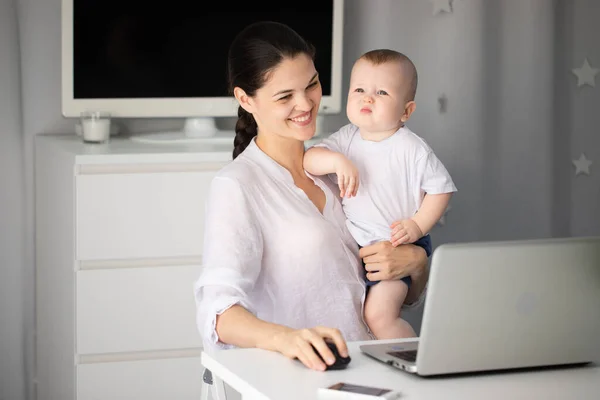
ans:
(259, 374)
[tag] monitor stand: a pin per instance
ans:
(195, 130)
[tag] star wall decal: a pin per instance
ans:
(582, 165)
(440, 6)
(586, 74)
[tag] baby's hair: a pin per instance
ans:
(383, 56)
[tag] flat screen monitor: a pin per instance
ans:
(140, 59)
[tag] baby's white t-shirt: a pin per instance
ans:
(394, 175)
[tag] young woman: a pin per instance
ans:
(280, 270)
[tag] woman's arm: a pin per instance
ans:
(241, 328)
(255, 332)
(232, 262)
(232, 256)
(392, 263)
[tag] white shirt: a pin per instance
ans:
(269, 249)
(394, 175)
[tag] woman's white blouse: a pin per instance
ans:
(269, 249)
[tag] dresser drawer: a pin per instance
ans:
(140, 215)
(136, 309)
(167, 379)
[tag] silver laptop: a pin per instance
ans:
(504, 305)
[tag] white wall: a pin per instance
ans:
(12, 377)
(513, 124)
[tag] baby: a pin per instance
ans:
(404, 188)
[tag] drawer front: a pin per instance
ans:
(166, 379)
(140, 215)
(136, 309)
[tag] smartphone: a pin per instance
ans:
(349, 391)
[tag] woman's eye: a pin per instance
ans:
(312, 85)
(382, 92)
(358, 90)
(284, 97)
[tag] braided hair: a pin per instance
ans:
(256, 50)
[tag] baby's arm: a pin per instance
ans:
(430, 212)
(433, 178)
(322, 161)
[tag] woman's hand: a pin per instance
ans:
(386, 262)
(296, 343)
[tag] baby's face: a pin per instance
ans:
(376, 98)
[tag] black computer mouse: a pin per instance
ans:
(340, 362)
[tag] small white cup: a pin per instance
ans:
(95, 126)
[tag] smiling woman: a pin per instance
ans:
(290, 112)
(280, 269)
(276, 84)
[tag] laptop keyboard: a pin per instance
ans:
(408, 355)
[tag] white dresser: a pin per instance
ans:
(119, 235)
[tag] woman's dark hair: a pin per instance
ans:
(257, 50)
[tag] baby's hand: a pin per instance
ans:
(405, 231)
(347, 175)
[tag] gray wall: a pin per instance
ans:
(496, 135)
(515, 120)
(581, 118)
(12, 377)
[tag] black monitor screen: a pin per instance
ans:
(178, 48)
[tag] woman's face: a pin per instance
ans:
(287, 104)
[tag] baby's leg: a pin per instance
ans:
(382, 310)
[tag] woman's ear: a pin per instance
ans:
(243, 99)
